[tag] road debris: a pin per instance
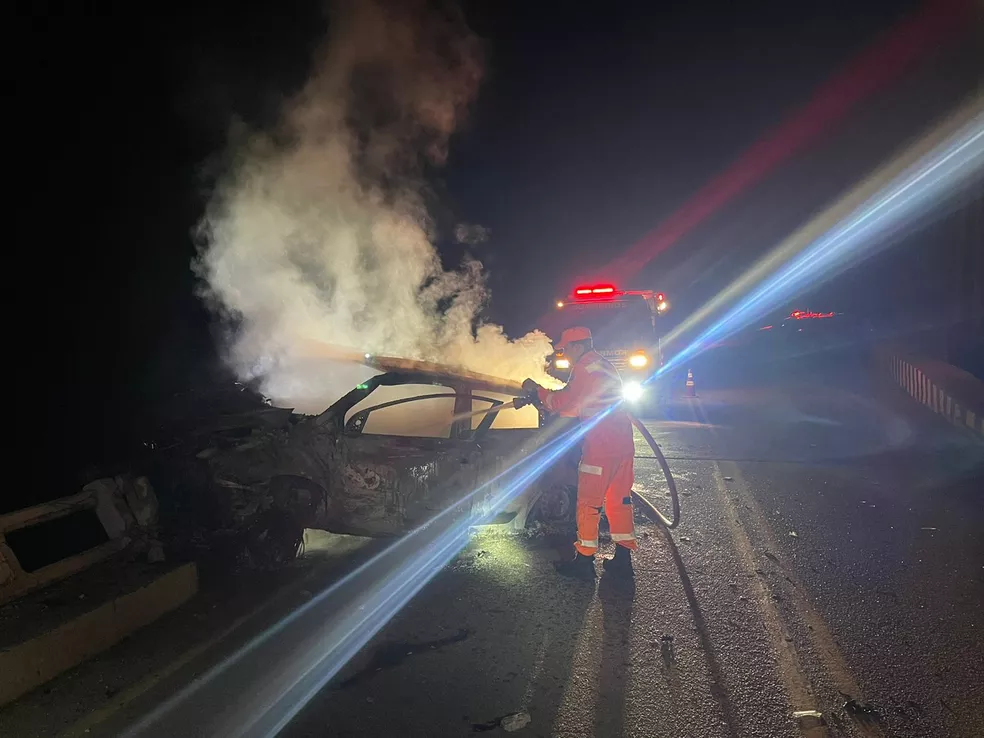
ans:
(729, 479)
(510, 723)
(862, 711)
(800, 714)
(516, 721)
(793, 534)
(667, 649)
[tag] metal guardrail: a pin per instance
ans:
(937, 396)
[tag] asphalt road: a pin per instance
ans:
(830, 550)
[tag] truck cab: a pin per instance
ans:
(624, 324)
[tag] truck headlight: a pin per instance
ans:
(563, 363)
(638, 361)
(632, 391)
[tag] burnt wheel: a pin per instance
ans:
(274, 539)
(555, 506)
(303, 498)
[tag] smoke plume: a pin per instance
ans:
(317, 237)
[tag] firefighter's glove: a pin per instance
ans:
(530, 396)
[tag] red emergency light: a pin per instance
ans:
(595, 292)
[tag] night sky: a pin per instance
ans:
(593, 124)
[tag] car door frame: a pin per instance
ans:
(451, 462)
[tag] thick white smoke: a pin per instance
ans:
(318, 236)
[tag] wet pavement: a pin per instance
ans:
(829, 558)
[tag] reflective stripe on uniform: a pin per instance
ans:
(587, 544)
(623, 536)
(590, 411)
(590, 469)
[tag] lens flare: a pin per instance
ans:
(262, 687)
(855, 228)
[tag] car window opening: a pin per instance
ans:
(407, 410)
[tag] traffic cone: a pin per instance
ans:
(691, 387)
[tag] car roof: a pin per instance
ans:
(396, 371)
(407, 371)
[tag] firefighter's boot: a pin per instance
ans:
(580, 567)
(621, 565)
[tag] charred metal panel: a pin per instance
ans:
(391, 484)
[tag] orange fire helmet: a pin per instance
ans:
(577, 333)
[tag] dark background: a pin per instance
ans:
(594, 123)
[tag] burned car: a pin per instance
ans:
(407, 444)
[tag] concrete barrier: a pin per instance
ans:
(33, 661)
(125, 507)
(944, 389)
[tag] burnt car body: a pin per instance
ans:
(384, 459)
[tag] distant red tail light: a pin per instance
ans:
(807, 314)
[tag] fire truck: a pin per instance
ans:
(625, 325)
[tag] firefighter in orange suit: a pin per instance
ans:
(605, 471)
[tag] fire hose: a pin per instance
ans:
(647, 506)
